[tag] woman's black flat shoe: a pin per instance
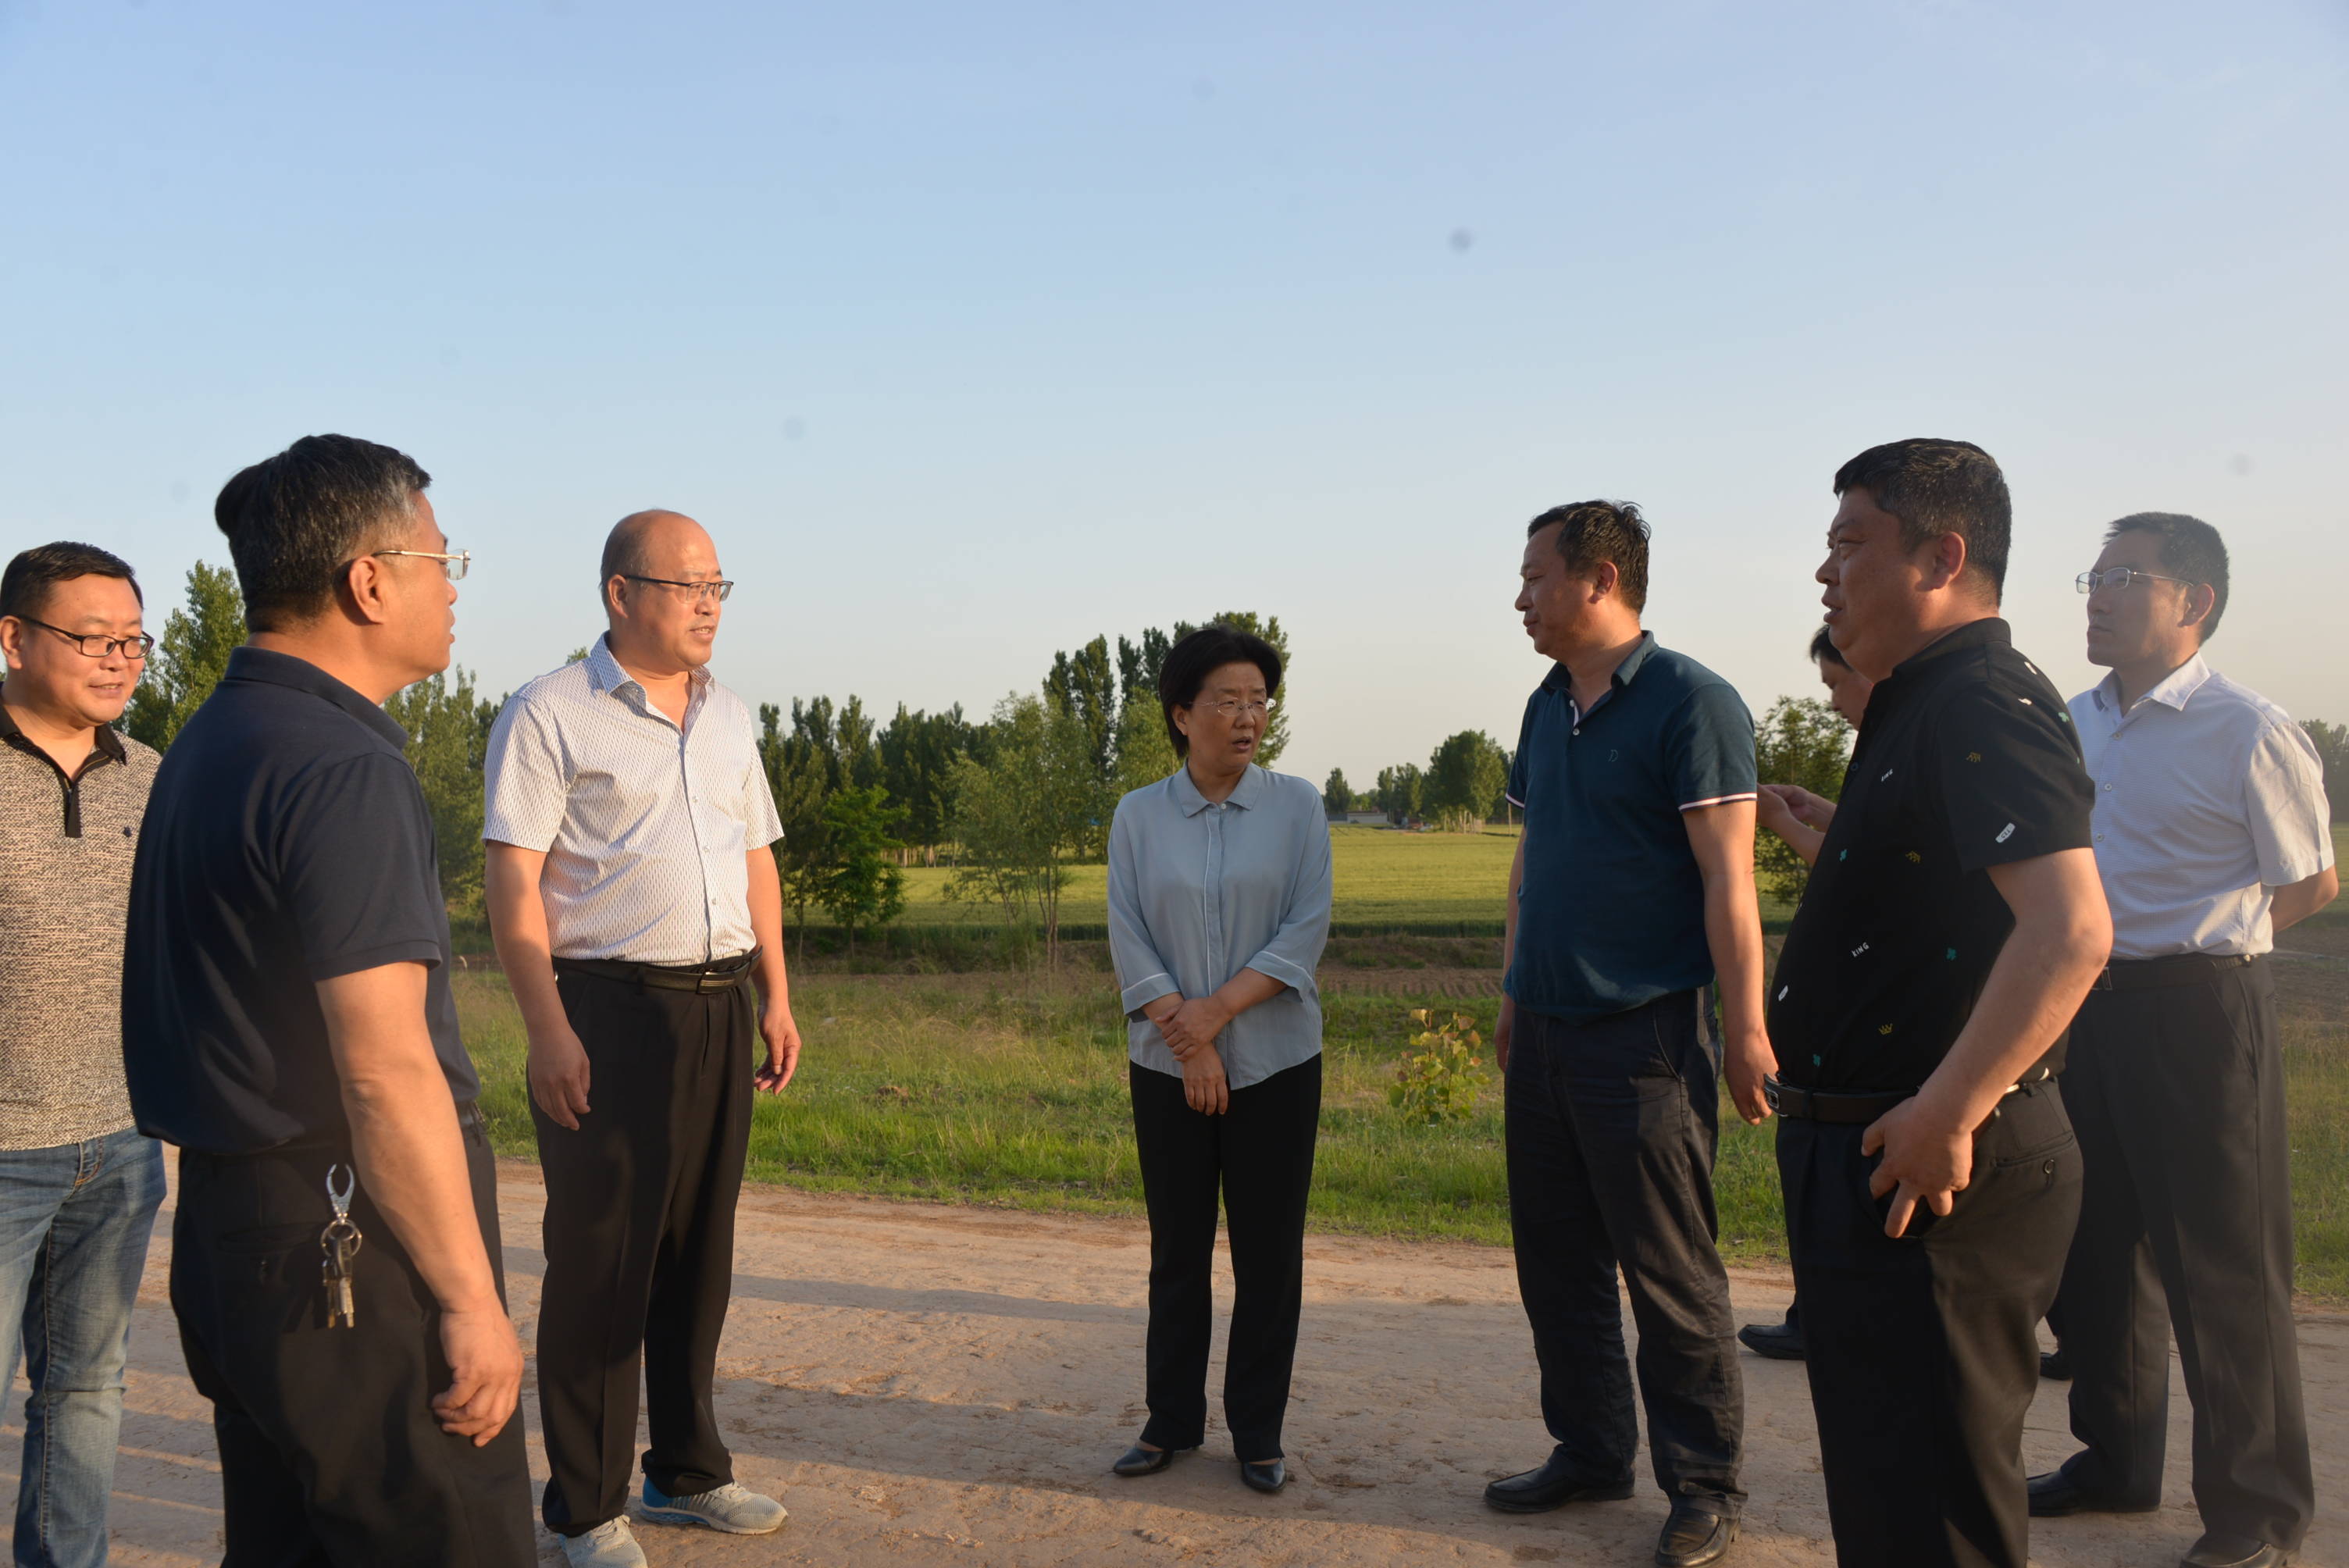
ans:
(1139, 1461)
(1270, 1476)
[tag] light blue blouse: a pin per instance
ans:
(1200, 890)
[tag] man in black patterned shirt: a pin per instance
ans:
(1951, 926)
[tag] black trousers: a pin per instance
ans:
(1924, 1350)
(330, 1450)
(1610, 1131)
(2186, 1222)
(640, 1241)
(1259, 1156)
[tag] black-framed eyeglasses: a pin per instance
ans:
(456, 565)
(98, 645)
(2119, 577)
(717, 587)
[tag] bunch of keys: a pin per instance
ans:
(341, 1242)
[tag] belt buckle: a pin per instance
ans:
(1770, 1093)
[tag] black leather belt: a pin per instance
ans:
(723, 976)
(1855, 1108)
(2161, 974)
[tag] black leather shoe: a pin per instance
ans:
(2055, 1366)
(1270, 1476)
(1554, 1485)
(2054, 1495)
(1779, 1341)
(2216, 1551)
(1693, 1536)
(1139, 1461)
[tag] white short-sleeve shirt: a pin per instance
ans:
(2208, 797)
(646, 825)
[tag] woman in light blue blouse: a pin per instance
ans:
(1218, 906)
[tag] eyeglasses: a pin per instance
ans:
(456, 566)
(96, 644)
(716, 588)
(1233, 709)
(2118, 577)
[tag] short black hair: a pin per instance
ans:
(1937, 487)
(1824, 652)
(2190, 549)
(25, 586)
(296, 520)
(1190, 662)
(1596, 531)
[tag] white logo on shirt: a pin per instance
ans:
(2005, 833)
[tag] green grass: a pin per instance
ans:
(1011, 1091)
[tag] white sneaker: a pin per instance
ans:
(611, 1545)
(733, 1508)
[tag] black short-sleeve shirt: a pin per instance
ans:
(1966, 760)
(286, 842)
(1611, 914)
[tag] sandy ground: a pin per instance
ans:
(928, 1384)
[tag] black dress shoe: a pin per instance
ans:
(1779, 1341)
(2054, 1495)
(1270, 1476)
(2055, 1366)
(1554, 1485)
(1693, 1536)
(2216, 1551)
(1139, 1461)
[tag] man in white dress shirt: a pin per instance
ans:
(635, 899)
(2212, 833)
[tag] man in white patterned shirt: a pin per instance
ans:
(634, 899)
(2212, 833)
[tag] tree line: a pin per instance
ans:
(1009, 803)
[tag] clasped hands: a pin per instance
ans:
(1190, 1026)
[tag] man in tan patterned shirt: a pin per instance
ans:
(78, 1183)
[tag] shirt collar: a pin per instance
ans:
(1245, 794)
(605, 671)
(2174, 690)
(266, 667)
(1561, 679)
(1988, 632)
(107, 741)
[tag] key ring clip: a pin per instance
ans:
(341, 1200)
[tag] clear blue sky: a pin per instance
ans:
(972, 331)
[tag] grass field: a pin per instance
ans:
(1009, 1087)
(1379, 875)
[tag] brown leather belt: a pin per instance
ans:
(2162, 974)
(723, 976)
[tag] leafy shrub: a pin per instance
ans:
(1438, 1082)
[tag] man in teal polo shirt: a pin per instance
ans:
(1632, 892)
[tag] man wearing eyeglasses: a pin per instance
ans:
(2212, 833)
(79, 1183)
(288, 1023)
(635, 902)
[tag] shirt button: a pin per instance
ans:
(1577, 729)
(2108, 788)
(2100, 838)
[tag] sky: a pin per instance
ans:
(971, 332)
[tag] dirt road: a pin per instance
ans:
(928, 1384)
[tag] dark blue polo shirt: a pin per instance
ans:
(286, 842)
(1611, 914)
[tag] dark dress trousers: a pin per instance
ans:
(2183, 1230)
(1922, 1349)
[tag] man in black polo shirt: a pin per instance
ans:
(1633, 889)
(1950, 929)
(288, 1021)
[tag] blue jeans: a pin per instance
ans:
(74, 1222)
